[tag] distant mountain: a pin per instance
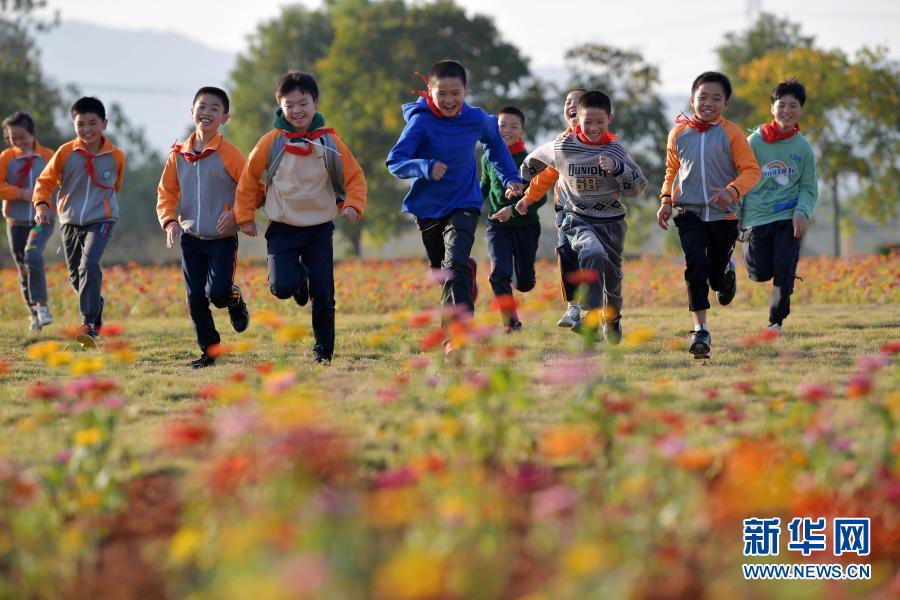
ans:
(152, 74)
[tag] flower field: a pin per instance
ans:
(534, 466)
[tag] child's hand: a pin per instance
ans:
(226, 222)
(522, 206)
(438, 170)
(724, 199)
(663, 215)
(608, 163)
(42, 214)
(249, 228)
(173, 232)
(514, 190)
(503, 215)
(800, 226)
(350, 213)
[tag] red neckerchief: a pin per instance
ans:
(307, 136)
(604, 139)
(431, 105)
(693, 123)
(89, 167)
(192, 156)
(24, 170)
(517, 147)
(771, 132)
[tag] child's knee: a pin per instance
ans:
(282, 289)
(220, 296)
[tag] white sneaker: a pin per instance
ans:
(774, 327)
(34, 326)
(571, 317)
(43, 315)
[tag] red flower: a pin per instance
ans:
(420, 319)
(112, 329)
(582, 276)
(264, 367)
(185, 433)
(813, 392)
(43, 391)
(506, 303)
(859, 386)
(431, 340)
(891, 347)
(743, 387)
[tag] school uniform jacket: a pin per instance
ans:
(699, 162)
(20, 170)
(88, 183)
(196, 188)
(302, 190)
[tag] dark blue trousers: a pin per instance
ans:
(208, 267)
(295, 253)
(512, 249)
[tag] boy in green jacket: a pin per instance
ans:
(775, 214)
(512, 239)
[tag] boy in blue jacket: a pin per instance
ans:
(437, 151)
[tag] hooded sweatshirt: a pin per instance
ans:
(788, 185)
(427, 139)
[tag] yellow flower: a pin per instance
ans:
(411, 575)
(90, 500)
(72, 539)
(449, 428)
(86, 366)
(460, 394)
(242, 346)
(393, 507)
(185, 543)
(585, 558)
(42, 350)
(376, 339)
(291, 333)
(59, 358)
(638, 337)
(593, 318)
(25, 424)
(88, 437)
(125, 356)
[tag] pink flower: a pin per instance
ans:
(872, 363)
(555, 501)
(813, 392)
(570, 371)
(397, 478)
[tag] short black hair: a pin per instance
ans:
(577, 89)
(512, 110)
(19, 119)
(296, 81)
(213, 91)
(447, 68)
(712, 77)
(791, 87)
(595, 99)
(88, 104)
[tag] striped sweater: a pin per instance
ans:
(584, 188)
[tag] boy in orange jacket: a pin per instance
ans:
(195, 200)
(311, 177)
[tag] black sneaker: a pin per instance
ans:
(514, 326)
(729, 289)
(321, 357)
(301, 296)
(612, 331)
(701, 344)
(87, 336)
(240, 316)
(204, 361)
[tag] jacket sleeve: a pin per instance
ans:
(809, 185)
(50, 178)
(673, 163)
(744, 159)
(485, 183)
(246, 197)
(120, 167)
(168, 192)
(7, 190)
(541, 184)
(632, 182)
(355, 188)
(498, 153)
(403, 161)
(235, 162)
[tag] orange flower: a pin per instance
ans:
(506, 302)
(567, 442)
(694, 460)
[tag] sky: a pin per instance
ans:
(679, 36)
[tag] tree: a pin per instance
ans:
(768, 33)
(850, 118)
(638, 117)
(367, 80)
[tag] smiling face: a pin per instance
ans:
(19, 137)
(709, 101)
(208, 114)
(448, 94)
(299, 108)
(511, 129)
(570, 109)
(787, 111)
(594, 122)
(89, 128)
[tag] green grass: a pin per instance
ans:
(820, 344)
